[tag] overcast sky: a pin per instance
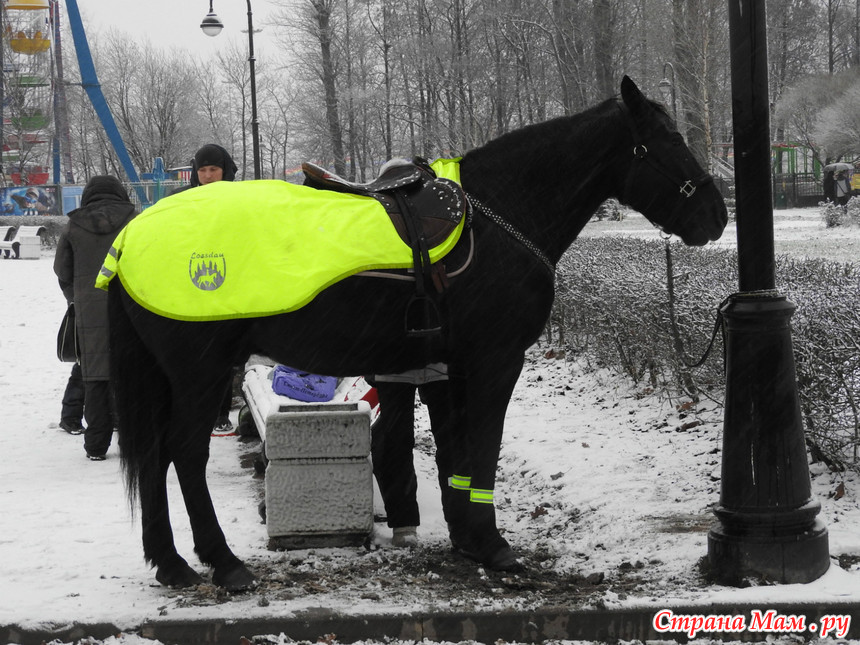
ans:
(171, 23)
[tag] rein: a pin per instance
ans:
(673, 321)
(479, 206)
(687, 187)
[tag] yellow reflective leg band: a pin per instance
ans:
(480, 496)
(460, 482)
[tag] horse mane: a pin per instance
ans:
(569, 164)
(548, 130)
(581, 122)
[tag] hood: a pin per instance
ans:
(102, 216)
(103, 187)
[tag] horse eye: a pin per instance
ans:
(677, 139)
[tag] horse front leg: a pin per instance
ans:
(478, 416)
(446, 421)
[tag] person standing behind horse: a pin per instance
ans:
(392, 445)
(213, 163)
(83, 244)
(210, 163)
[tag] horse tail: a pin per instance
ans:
(141, 393)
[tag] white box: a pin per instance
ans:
(319, 479)
(30, 248)
(318, 503)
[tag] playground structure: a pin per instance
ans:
(797, 173)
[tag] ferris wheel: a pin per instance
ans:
(34, 130)
(26, 96)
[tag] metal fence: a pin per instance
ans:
(145, 193)
(797, 190)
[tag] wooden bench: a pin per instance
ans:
(25, 244)
(319, 481)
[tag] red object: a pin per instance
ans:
(30, 178)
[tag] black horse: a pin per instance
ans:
(537, 187)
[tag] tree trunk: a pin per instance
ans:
(323, 10)
(603, 47)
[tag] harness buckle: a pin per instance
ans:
(688, 188)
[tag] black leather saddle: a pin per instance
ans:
(425, 210)
(407, 189)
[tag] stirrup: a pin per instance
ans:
(422, 317)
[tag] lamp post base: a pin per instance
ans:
(790, 558)
(767, 517)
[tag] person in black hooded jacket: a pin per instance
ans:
(210, 163)
(213, 163)
(81, 250)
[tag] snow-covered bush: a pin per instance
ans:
(613, 308)
(613, 292)
(832, 214)
(835, 215)
(853, 211)
(611, 210)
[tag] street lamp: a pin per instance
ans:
(767, 525)
(212, 26)
(667, 89)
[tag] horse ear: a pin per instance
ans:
(633, 98)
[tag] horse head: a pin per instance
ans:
(664, 181)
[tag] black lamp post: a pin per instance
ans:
(212, 26)
(667, 89)
(767, 518)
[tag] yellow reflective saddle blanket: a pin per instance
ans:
(255, 248)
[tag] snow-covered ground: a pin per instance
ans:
(598, 484)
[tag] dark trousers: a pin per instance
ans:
(73, 398)
(392, 442)
(227, 399)
(98, 411)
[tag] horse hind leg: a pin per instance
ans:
(190, 453)
(210, 544)
(146, 460)
(158, 547)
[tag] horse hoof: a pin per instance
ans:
(178, 574)
(236, 578)
(504, 560)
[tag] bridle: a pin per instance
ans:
(687, 187)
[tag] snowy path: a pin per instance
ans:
(592, 480)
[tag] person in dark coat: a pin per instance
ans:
(84, 243)
(72, 412)
(829, 186)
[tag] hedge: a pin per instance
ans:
(613, 308)
(53, 224)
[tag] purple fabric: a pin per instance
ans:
(303, 386)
